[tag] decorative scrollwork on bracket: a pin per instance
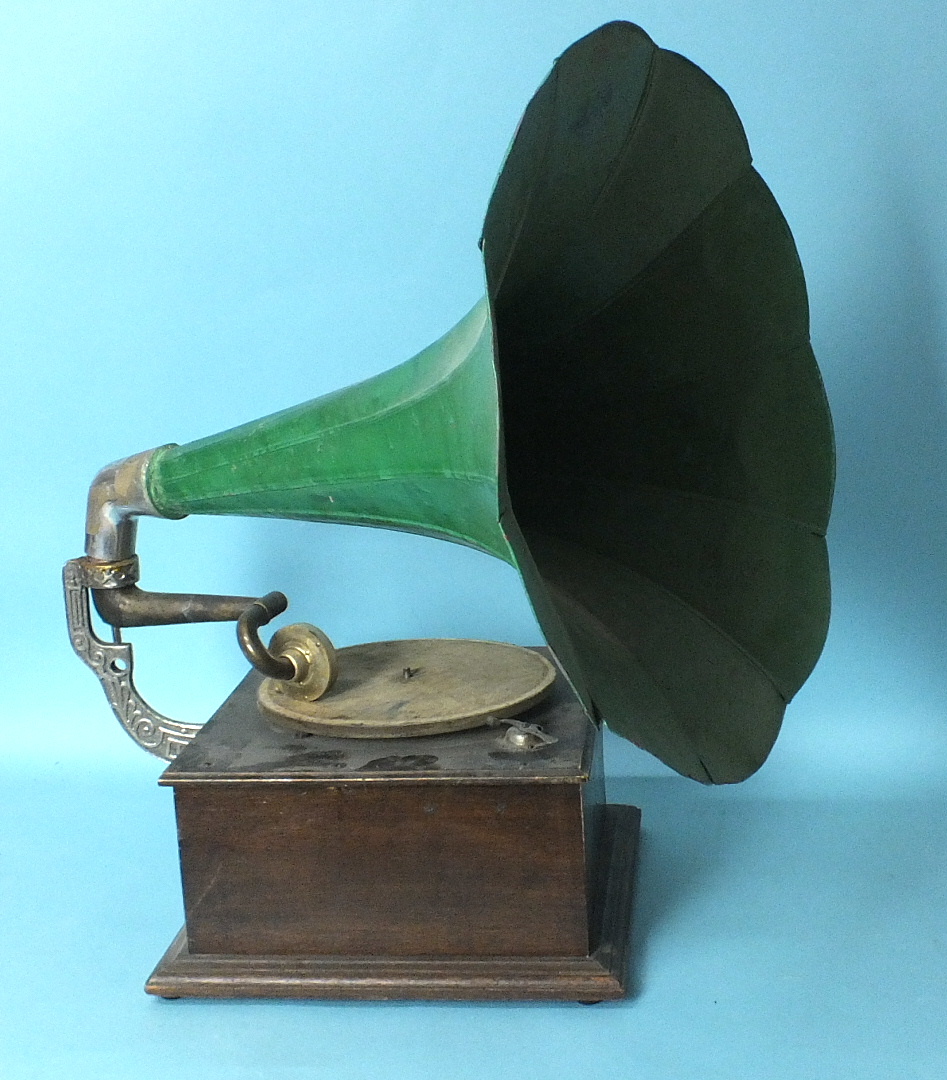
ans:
(113, 664)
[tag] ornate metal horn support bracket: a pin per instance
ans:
(113, 664)
(108, 574)
(121, 603)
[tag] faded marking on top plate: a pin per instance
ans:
(427, 686)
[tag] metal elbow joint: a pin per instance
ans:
(117, 498)
(107, 574)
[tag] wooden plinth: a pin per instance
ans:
(444, 867)
(600, 976)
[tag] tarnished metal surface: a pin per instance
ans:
(118, 496)
(113, 664)
(130, 606)
(258, 614)
(525, 737)
(313, 657)
(395, 689)
(105, 576)
(240, 742)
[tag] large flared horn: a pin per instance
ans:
(633, 417)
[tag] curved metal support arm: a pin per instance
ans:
(109, 571)
(113, 663)
(131, 606)
(121, 603)
(258, 614)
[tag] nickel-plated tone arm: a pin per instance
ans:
(131, 606)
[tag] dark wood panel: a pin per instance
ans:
(384, 869)
(597, 977)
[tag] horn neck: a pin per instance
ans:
(415, 448)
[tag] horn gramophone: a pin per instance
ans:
(633, 418)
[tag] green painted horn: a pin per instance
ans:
(415, 448)
(633, 417)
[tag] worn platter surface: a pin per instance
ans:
(426, 686)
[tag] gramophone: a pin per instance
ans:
(633, 418)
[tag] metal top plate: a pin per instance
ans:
(241, 743)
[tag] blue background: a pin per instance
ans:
(209, 211)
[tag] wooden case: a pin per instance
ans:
(447, 866)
